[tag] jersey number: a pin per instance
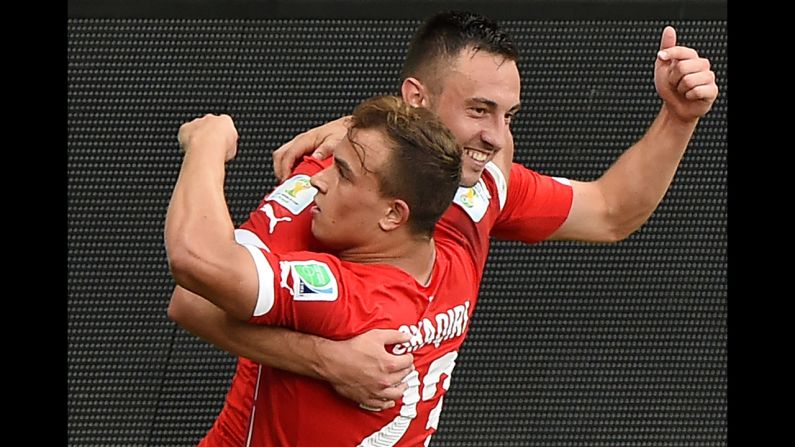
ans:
(393, 431)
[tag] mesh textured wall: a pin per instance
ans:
(572, 344)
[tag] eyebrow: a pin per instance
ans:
(492, 104)
(344, 168)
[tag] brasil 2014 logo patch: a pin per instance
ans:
(474, 201)
(295, 194)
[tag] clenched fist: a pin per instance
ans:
(213, 132)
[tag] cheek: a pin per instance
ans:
(361, 213)
(343, 210)
(355, 204)
(464, 130)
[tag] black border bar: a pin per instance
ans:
(396, 9)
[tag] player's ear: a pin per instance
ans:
(396, 216)
(414, 92)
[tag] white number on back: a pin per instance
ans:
(393, 431)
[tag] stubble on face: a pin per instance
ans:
(475, 94)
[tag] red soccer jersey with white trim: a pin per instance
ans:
(318, 294)
(272, 223)
(529, 208)
(536, 206)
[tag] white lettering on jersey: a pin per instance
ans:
(444, 325)
(272, 219)
(295, 194)
(391, 433)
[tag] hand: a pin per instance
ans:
(216, 131)
(683, 80)
(361, 369)
(321, 141)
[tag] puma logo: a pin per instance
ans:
(272, 219)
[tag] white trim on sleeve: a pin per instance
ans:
(562, 180)
(247, 237)
(265, 274)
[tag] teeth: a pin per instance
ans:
(477, 156)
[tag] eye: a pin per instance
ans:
(510, 117)
(343, 174)
(478, 110)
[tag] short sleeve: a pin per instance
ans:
(304, 291)
(536, 205)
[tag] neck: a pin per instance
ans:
(416, 256)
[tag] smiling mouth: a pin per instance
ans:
(478, 156)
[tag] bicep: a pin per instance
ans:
(229, 280)
(588, 217)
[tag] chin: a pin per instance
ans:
(314, 230)
(470, 177)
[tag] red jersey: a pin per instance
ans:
(279, 221)
(528, 208)
(317, 293)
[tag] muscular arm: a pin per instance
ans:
(199, 234)
(358, 369)
(618, 203)
(206, 260)
(612, 207)
(273, 346)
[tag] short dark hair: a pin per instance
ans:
(424, 167)
(442, 36)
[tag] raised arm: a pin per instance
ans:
(205, 259)
(200, 240)
(624, 197)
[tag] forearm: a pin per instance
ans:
(272, 346)
(359, 369)
(197, 214)
(203, 255)
(636, 183)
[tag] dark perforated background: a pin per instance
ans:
(572, 344)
